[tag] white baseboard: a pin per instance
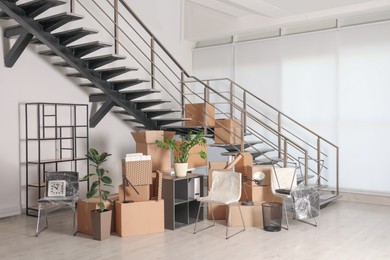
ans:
(376, 199)
(7, 212)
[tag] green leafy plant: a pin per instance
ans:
(96, 189)
(181, 150)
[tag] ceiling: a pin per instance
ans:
(243, 16)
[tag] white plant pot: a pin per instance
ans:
(180, 169)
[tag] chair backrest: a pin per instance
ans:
(62, 184)
(283, 178)
(226, 185)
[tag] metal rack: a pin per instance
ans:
(57, 138)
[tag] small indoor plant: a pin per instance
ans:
(182, 150)
(101, 218)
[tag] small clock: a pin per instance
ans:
(56, 188)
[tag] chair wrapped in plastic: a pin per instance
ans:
(306, 202)
(284, 185)
(62, 189)
(225, 189)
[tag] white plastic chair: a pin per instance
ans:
(62, 189)
(225, 189)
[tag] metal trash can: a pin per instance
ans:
(272, 216)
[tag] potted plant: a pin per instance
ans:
(101, 218)
(182, 150)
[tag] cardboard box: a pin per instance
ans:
(252, 215)
(143, 190)
(200, 114)
(156, 187)
(138, 172)
(260, 193)
(139, 218)
(195, 160)
(266, 169)
(146, 144)
(84, 208)
(243, 164)
(227, 131)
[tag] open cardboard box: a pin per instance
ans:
(84, 208)
(146, 144)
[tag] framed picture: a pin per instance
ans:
(56, 188)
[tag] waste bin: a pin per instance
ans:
(272, 216)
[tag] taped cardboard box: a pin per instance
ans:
(146, 144)
(200, 114)
(139, 218)
(84, 208)
(252, 215)
(227, 131)
(131, 194)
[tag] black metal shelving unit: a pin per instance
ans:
(57, 139)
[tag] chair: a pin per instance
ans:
(284, 185)
(62, 189)
(225, 189)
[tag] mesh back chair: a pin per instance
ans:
(62, 189)
(284, 185)
(225, 189)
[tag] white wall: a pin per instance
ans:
(335, 82)
(33, 79)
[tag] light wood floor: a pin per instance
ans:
(346, 230)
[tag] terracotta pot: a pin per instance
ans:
(180, 169)
(101, 224)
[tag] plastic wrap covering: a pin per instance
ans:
(61, 188)
(306, 202)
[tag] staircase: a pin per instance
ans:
(268, 134)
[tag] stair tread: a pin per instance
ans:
(117, 56)
(268, 161)
(130, 91)
(150, 101)
(59, 16)
(75, 30)
(56, 17)
(70, 35)
(88, 44)
(34, 4)
(115, 81)
(260, 151)
(127, 68)
(148, 110)
(233, 146)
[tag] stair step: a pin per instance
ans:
(98, 61)
(37, 7)
(142, 104)
(268, 161)
(151, 113)
(255, 153)
(118, 84)
(48, 23)
(95, 62)
(161, 121)
(235, 147)
(69, 36)
(80, 50)
(126, 95)
(34, 8)
(106, 73)
(56, 21)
